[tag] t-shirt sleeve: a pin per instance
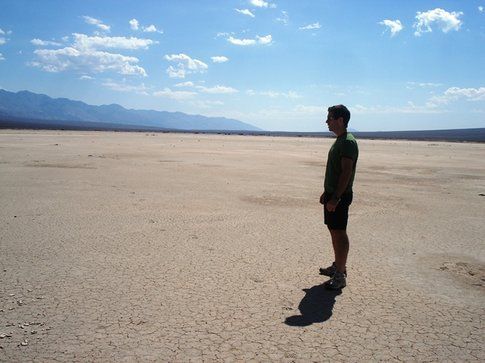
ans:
(349, 150)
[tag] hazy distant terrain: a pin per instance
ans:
(27, 110)
(43, 110)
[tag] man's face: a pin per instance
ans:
(332, 123)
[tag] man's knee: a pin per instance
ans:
(339, 234)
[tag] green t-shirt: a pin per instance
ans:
(344, 146)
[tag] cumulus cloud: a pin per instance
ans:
(313, 26)
(85, 78)
(87, 54)
(93, 21)
(285, 19)
(58, 60)
(412, 85)
(217, 89)
(2, 41)
(440, 18)
(44, 43)
(219, 59)
(480, 9)
(185, 65)
(264, 40)
(274, 94)
(152, 29)
(267, 39)
(394, 26)
(409, 108)
(174, 95)
(185, 84)
(457, 93)
(242, 42)
(96, 42)
(1, 57)
(134, 24)
(210, 90)
(261, 4)
(245, 12)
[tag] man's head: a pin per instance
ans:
(339, 111)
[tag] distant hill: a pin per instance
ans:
(25, 105)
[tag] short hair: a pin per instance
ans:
(340, 111)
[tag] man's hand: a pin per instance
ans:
(332, 204)
(321, 198)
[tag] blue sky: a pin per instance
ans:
(398, 65)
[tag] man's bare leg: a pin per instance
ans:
(340, 242)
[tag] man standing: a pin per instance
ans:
(337, 196)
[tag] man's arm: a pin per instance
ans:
(347, 165)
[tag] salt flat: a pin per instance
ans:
(178, 247)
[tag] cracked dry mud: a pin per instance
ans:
(174, 247)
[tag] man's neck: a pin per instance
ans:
(339, 133)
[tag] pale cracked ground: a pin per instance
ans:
(174, 247)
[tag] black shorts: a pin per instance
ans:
(337, 219)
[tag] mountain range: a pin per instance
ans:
(25, 106)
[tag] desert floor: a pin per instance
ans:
(178, 247)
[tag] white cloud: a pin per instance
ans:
(151, 29)
(219, 59)
(242, 42)
(480, 9)
(210, 90)
(245, 12)
(310, 110)
(185, 65)
(267, 39)
(222, 34)
(313, 26)
(175, 95)
(82, 41)
(44, 43)
(58, 60)
(394, 26)
(1, 31)
(1, 57)
(441, 18)
(86, 54)
(206, 104)
(217, 89)
(410, 108)
(411, 85)
(274, 94)
(176, 72)
(285, 19)
(185, 84)
(264, 40)
(261, 4)
(96, 22)
(85, 78)
(2, 41)
(123, 87)
(190, 63)
(455, 94)
(134, 24)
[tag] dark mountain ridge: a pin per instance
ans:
(28, 105)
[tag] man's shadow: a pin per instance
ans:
(315, 307)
